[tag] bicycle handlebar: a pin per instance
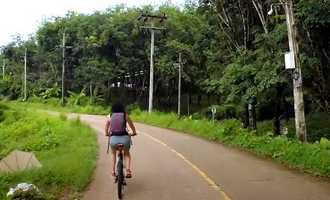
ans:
(134, 134)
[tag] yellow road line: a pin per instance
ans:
(198, 170)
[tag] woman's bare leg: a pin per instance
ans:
(128, 159)
(114, 159)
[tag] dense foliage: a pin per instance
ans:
(66, 149)
(232, 51)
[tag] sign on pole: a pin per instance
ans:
(214, 111)
(289, 60)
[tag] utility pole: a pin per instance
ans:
(90, 92)
(25, 60)
(294, 60)
(151, 78)
(3, 69)
(188, 104)
(63, 67)
(297, 75)
(152, 28)
(179, 85)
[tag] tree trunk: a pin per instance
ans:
(259, 8)
(277, 113)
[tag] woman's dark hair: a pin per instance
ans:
(118, 108)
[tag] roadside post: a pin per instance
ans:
(252, 113)
(214, 111)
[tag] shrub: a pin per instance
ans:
(53, 92)
(318, 126)
(76, 99)
(2, 111)
(225, 111)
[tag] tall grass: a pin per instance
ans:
(66, 149)
(54, 104)
(313, 158)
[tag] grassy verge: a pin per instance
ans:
(66, 149)
(313, 158)
(55, 105)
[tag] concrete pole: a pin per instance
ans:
(3, 69)
(25, 71)
(297, 76)
(91, 92)
(151, 83)
(63, 66)
(179, 85)
(188, 104)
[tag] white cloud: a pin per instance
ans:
(24, 16)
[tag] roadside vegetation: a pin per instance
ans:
(67, 150)
(232, 52)
(313, 158)
(233, 57)
(54, 104)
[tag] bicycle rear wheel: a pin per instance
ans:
(120, 174)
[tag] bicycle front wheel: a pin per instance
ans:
(120, 188)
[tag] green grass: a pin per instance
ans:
(66, 149)
(55, 105)
(313, 158)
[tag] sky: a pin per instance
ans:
(24, 16)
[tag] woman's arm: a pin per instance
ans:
(131, 125)
(107, 128)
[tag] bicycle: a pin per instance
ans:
(120, 175)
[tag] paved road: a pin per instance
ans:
(169, 165)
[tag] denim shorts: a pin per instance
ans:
(125, 140)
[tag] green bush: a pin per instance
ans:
(9, 88)
(78, 99)
(2, 111)
(318, 126)
(53, 92)
(66, 149)
(132, 107)
(225, 111)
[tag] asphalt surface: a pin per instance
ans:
(168, 165)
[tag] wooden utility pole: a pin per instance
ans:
(63, 67)
(179, 85)
(25, 71)
(152, 28)
(297, 75)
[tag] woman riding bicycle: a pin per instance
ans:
(115, 128)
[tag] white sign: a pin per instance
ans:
(289, 61)
(214, 110)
